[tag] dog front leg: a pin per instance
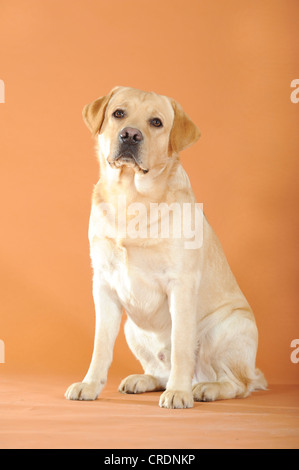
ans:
(178, 393)
(108, 316)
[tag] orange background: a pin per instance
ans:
(230, 65)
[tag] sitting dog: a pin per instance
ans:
(188, 322)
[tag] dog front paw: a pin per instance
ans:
(82, 391)
(176, 399)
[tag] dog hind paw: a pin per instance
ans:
(139, 383)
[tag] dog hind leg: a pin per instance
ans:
(154, 358)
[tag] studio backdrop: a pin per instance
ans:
(233, 66)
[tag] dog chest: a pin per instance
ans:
(132, 275)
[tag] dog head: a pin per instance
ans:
(138, 129)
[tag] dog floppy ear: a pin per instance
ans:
(94, 113)
(184, 132)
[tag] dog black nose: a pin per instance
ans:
(129, 135)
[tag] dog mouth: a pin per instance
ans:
(126, 157)
(129, 159)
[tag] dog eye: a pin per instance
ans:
(119, 114)
(156, 122)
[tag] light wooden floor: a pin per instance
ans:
(34, 414)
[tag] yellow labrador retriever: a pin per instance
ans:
(155, 255)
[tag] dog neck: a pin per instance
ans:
(159, 184)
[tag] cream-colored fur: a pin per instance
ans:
(188, 323)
